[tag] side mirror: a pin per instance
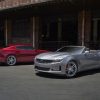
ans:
(86, 52)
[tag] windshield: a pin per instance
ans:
(71, 49)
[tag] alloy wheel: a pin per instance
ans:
(71, 69)
(11, 60)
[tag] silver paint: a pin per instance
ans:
(57, 61)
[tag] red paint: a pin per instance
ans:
(21, 55)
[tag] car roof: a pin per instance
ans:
(14, 46)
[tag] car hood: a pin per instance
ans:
(52, 55)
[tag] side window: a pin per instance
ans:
(24, 48)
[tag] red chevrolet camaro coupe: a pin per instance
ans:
(18, 53)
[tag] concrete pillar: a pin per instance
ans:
(36, 31)
(33, 21)
(88, 28)
(8, 32)
(84, 27)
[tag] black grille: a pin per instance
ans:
(44, 61)
(42, 68)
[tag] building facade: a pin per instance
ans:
(50, 23)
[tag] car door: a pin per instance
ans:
(90, 60)
(25, 53)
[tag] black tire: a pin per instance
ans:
(71, 69)
(11, 60)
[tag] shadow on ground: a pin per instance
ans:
(18, 64)
(80, 74)
(53, 76)
(88, 72)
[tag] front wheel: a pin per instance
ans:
(71, 69)
(11, 60)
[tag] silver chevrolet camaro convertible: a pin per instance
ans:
(67, 60)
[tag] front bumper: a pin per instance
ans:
(53, 68)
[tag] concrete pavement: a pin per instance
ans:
(20, 83)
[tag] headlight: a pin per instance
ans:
(58, 60)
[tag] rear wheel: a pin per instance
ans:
(11, 60)
(71, 69)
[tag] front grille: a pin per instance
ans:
(44, 61)
(42, 68)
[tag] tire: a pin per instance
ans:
(71, 69)
(11, 60)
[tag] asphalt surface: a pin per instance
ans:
(21, 83)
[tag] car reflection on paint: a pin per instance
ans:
(68, 60)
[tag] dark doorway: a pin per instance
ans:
(95, 34)
(98, 31)
(2, 35)
(69, 32)
(49, 31)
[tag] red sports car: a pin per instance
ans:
(18, 53)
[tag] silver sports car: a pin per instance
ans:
(67, 60)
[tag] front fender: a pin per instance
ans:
(70, 58)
